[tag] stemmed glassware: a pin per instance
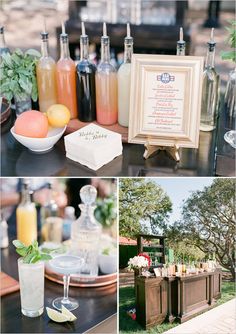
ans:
(66, 265)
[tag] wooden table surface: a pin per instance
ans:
(96, 305)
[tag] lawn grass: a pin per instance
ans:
(127, 301)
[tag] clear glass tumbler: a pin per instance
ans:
(31, 277)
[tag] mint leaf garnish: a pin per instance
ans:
(18, 244)
(30, 254)
(21, 251)
(45, 257)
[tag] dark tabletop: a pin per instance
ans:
(96, 305)
(213, 157)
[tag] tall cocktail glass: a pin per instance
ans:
(31, 277)
(66, 265)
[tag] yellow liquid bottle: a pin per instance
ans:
(26, 218)
(46, 77)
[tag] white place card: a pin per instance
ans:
(93, 146)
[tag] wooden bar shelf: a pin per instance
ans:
(146, 242)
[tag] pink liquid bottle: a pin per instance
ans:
(66, 77)
(106, 85)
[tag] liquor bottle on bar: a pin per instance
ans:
(85, 82)
(180, 50)
(124, 81)
(26, 217)
(3, 46)
(106, 85)
(66, 76)
(209, 90)
(50, 208)
(46, 75)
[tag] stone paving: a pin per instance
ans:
(219, 320)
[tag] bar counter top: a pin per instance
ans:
(175, 297)
(213, 157)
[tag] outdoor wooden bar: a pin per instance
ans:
(169, 298)
(194, 295)
(151, 300)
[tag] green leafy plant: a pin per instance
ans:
(231, 55)
(105, 211)
(31, 253)
(18, 74)
(106, 251)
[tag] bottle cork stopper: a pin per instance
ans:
(88, 194)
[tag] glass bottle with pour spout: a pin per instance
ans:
(180, 50)
(26, 217)
(124, 81)
(106, 85)
(46, 76)
(85, 82)
(210, 94)
(66, 77)
(85, 233)
(3, 46)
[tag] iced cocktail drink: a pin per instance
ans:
(66, 265)
(31, 277)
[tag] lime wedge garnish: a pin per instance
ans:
(57, 316)
(67, 313)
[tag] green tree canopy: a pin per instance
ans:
(141, 203)
(184, 251)
(209, 222)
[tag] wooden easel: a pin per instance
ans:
(173, 151)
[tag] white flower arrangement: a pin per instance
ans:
(137, 262)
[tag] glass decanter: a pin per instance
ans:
(85, 233)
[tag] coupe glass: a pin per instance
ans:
(66, 265)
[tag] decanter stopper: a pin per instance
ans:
(88, 195)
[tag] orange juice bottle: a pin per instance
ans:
(26, 218)
(66, 77)
(46, 76)
(106, 85)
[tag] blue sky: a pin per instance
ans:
(179, 189)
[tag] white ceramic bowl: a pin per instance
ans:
(107, 263)
(40, 145)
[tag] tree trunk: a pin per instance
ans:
(232, 270)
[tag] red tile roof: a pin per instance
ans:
(127, 241)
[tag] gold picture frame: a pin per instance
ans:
(165, 100)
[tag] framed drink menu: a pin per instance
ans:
(165, 100)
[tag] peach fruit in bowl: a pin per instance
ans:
(33, 129)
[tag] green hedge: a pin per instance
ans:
(125, 253)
